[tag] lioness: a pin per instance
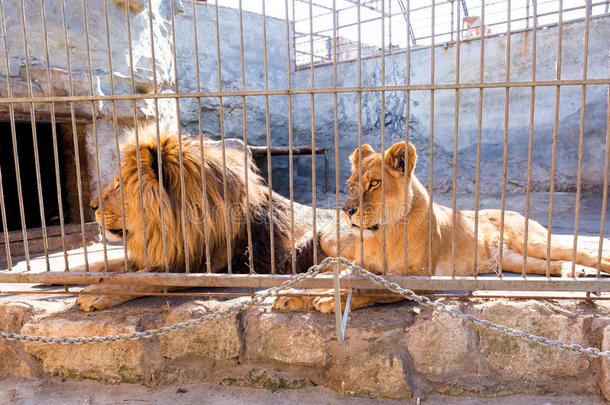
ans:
(415, 210)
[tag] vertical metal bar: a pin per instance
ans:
(95, 141)
(456, 115)
(479, 130)
(361, 187)
(337, 287)
(290, 163)
(602, 226)
(60, 204)
(505, 146)
(530, 149)
(14, 140)
(336, 129)
(159, 152)
(7, 245)
(116, 140)
(245, 136)
(431, 180)
(527, 13)
(224, 151)
(267, 123)
(43, 224)
(581, 135)
(452, 16)
(555, 133)
(185, 230)
(383, 174)
(313, 139)
(74, 134)
(407, 115)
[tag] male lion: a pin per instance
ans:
(243, 201)
(416, 212)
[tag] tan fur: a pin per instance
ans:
(414, 211)
(164, 208)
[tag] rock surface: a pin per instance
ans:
(390, 351)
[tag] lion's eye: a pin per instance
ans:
(373, 184)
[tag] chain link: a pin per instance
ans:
(312, 272)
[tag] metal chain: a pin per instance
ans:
(233, 309)
(313, 271)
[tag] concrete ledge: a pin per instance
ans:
(391, 351)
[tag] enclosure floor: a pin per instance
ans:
(54, 392)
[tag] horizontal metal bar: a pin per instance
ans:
(532, 283)
(320, 90)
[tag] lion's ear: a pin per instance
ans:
(398, 157)
(354, 158)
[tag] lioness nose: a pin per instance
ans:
(349, 211)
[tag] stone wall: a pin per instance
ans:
(493, 109)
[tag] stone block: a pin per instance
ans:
(288, 338)
(219, 339)
(113, 362)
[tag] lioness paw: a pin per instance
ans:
(566, 270)
(326, 305)
(89, 302)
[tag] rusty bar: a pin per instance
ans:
(245, 136)
(455, 137)
(313, 141)
(479, 130)
(530, 145)
(554, 148)
(431, 146)
(268, 129)
(116, 140)
(14, 140)
(360, 189)
(383, 174)
(581, 137)
(185, 230)
(444, 283)
(74, 132)
(54, 134)
(336, 138)
(290, 141)
(222, 140)
(159, 153)
(94, 124)
(28, 79)
(505, 145)
(602, 226)
(407, 115)
(294, 91)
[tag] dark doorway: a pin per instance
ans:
(27, 167)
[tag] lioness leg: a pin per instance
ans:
(513, 262)
(561, 251)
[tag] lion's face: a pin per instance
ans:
(112, 223)
(365, 187)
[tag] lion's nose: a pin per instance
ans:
(94, 203)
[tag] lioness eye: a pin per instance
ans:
(374, 183)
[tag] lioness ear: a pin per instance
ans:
(396, 157)
(354, 158)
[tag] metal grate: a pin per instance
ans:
(305, 42)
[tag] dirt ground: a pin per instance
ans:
(54, 392)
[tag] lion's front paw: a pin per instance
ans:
(91, 301)
(288, 303)
(326, 305)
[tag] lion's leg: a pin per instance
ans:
(513, 262)
(92, 297)
(115, 264)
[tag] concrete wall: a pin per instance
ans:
(493, 109)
